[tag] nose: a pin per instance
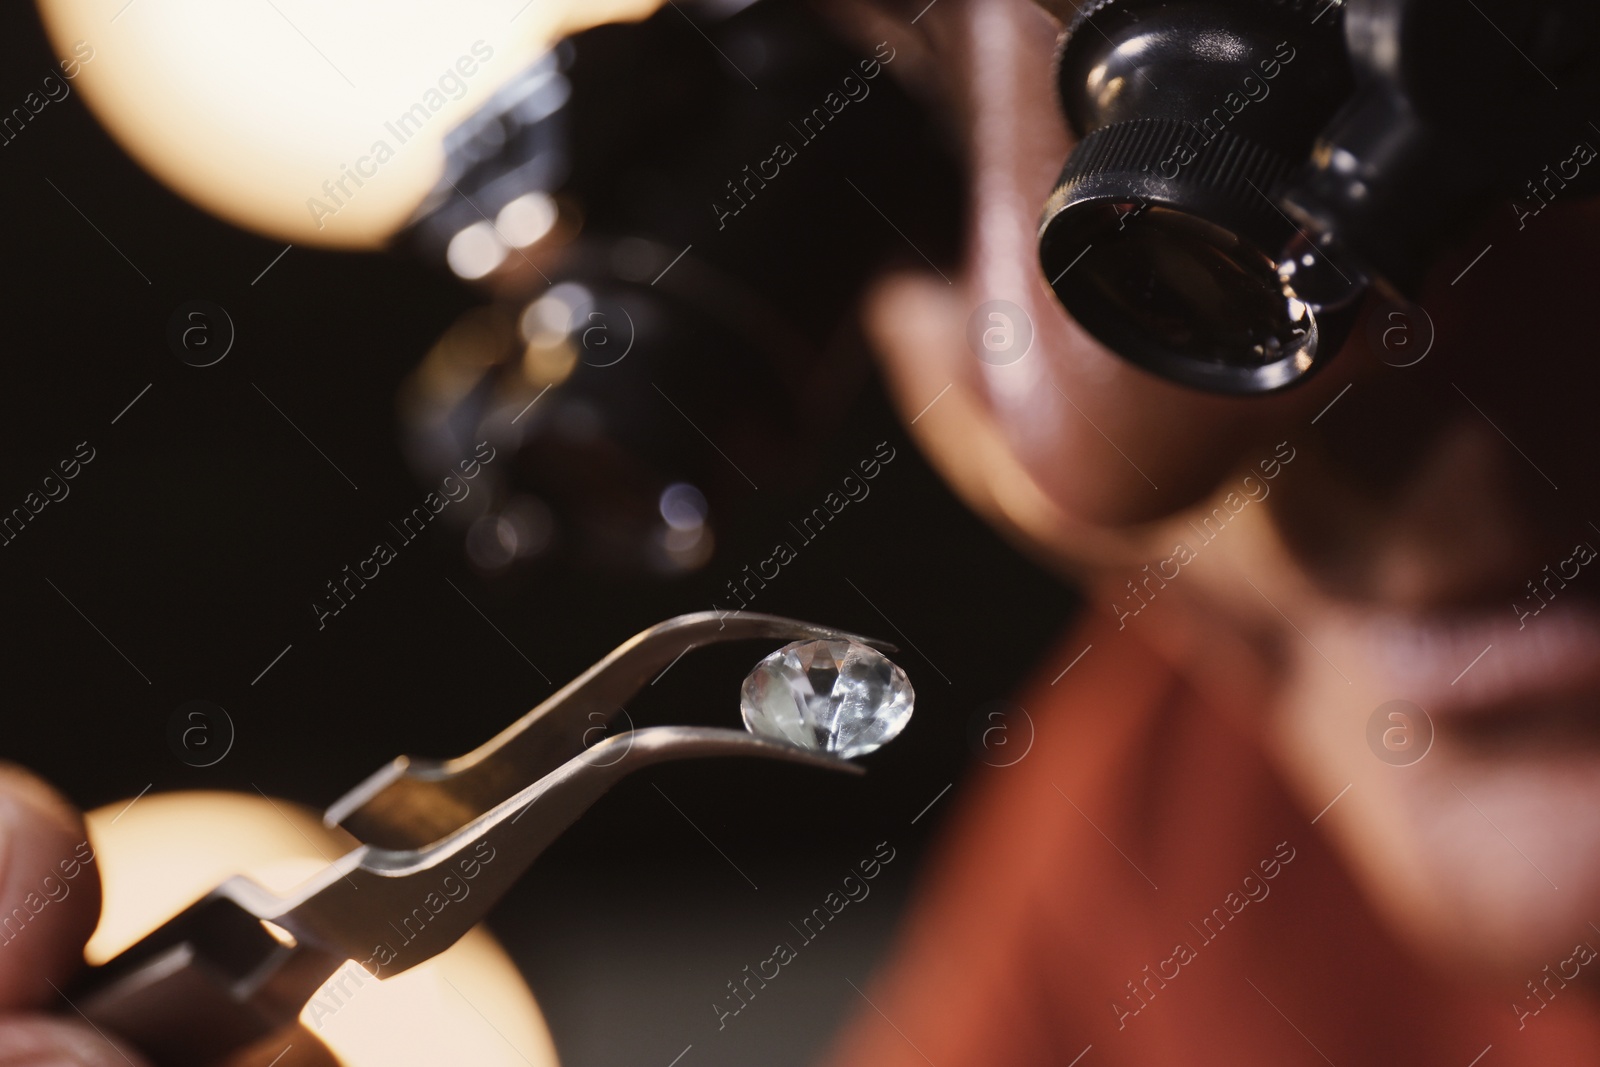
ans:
(1455, 479)
(1459, 537)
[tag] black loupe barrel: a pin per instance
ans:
(1164, 237)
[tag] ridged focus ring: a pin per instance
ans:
(1166, 161)
(1317, 9)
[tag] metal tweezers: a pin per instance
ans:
(241, 962)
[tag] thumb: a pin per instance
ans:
(49, 891)
(38, 1041)
(49, 901)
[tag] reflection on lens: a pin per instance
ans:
(1179, 296)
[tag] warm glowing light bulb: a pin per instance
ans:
(466, 1005)
(313, 123)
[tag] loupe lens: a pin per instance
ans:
(1164, 237)
(1180, 296)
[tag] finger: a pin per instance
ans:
(39, 1041)
(49, 890)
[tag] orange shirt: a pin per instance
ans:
(1141, 890)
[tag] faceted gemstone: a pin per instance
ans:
(827, 696)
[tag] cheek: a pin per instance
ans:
(1458, 853)
(1067, 428)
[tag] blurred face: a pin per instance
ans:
(1381, 534)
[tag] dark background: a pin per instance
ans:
(197, 537)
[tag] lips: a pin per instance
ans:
(1466, 666)
(1469, 664)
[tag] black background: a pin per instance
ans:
(196, 538)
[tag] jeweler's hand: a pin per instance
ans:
(49, 901)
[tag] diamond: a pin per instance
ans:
(827, 696)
